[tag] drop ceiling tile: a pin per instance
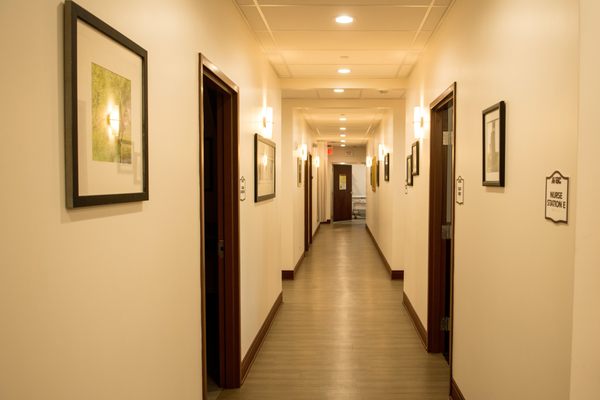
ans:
(323, 18)
(434, 17)
(330, 94)
(342, 2)
(411, 58)
(422, 40)
(404, 71)
(253, 18)
(299, 94)
(385, 94)
(346, 40)
(266, 41)
(282, 70)
(358, 71)
(353, 57)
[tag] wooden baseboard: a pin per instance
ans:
(394, 273)
(289, 275)
(316, 231)
(260, 337)
(415, 319)
(455, 393)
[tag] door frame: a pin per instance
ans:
(231, 309)
(435, 303)
(333, 215)
(307, 203)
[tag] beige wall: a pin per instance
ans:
(585, 384)
(513, 269)
(104, 302)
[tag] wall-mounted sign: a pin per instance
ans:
(557, 198)
(342, 182)
(460, 190)
(242, 188)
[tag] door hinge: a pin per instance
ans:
(447, 232)
(221, 248)
(445, 324)
(447, 138)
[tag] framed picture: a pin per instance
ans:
(299, 171)
(378, 171)
(264, 168)
(386, 167)
(106, 113)
(415, 158)
(374, 175)
(409, 175)
(493, 145)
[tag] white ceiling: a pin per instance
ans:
(304, 43)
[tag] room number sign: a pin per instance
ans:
(557, 198)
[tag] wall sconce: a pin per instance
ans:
(419, 122)
(369, 161)
(317, 161)
(381, 151)
(267, 122)
(113, 120)
(304, 152)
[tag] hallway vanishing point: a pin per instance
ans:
(342, 332)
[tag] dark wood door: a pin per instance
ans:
(441, 224)
(342, 192)
(219, 231)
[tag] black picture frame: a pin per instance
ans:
(261, 147)
(415, 158)
(378, 171)
(386, 167)
(409, 175)
(73, 13)
(493, 162)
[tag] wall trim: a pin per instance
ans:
(394, 273)
(415, 320)
(260, 337)
(289, 275)
(455, 393)
(316, 231)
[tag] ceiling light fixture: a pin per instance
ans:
(343, 140)
(342, 135)
(343, 145)
(344, 19)
(342, 129)
(342, 119)
(344, 71)
(338, 90)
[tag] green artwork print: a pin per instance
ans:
(111, 116)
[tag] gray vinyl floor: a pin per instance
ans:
(342, 332)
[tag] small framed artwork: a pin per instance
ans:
(374, 175)
(386, 167)
(494, 145)
(264, 168)
(378, 171)
(409, 175)
(299, 171)
(106, 113)
(415, 158)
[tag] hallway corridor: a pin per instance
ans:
(342, 332)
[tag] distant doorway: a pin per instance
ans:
(219, 205)
(342, 192)
(441, 224)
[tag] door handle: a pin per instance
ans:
(221, 248)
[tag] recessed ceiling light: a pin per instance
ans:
(343, 145)
(342, 135)
(344, 70)
(343, 140)
(344, 19)
(343, 119)
(342, 129)
(338, 90)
